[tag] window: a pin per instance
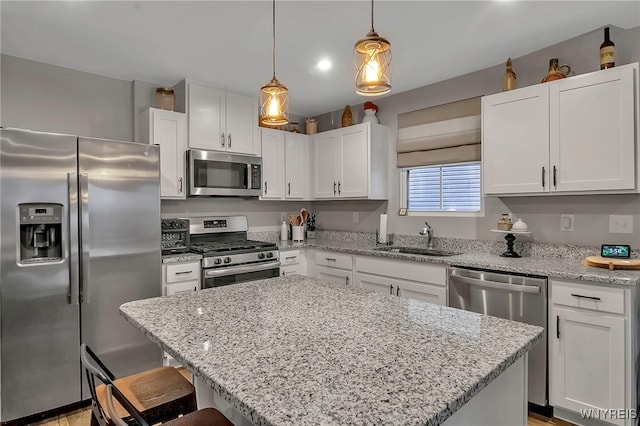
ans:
(444, 188)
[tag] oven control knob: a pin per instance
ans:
(260, 255)
(227, 260)
(269, 255)
(217, 261)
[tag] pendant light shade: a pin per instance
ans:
(274, 98)
(372, 57)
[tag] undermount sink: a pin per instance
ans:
(417, 250)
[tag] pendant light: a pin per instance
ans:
(372, 56)
(274, 96)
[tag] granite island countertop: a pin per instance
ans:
(558, 267)
(300, 351)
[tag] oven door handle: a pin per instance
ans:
(498, 285)
(255, 267)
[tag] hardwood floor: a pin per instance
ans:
(537, 420)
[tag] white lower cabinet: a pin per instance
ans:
(179, 278)
(292, 262)
(412, 280)
(590, 350)
(331, 266)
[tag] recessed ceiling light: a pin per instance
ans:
(324, 64)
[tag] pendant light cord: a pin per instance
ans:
(371, 15)
(274, 38)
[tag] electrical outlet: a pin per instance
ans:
(620, 224)
(566, 222)
(356, 217)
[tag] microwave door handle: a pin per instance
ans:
(498, 285)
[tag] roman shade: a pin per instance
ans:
(443, 134)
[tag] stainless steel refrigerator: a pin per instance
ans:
(79, 236)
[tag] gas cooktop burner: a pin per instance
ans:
(231, 247)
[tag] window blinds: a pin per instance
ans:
(443, 134)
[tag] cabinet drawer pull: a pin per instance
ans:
(184, 272)
(339, 189)
(222, 140)
(543, 177)
(391, 289)
(289, 188)
(555, 183)
(331, 259)
(557, 326)
(334, 188)
(265, 187)
(180, 187)
(290, 257)
(597, 299)
(229, 138)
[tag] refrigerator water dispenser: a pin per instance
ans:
(40, 233)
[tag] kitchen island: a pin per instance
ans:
(296, 350)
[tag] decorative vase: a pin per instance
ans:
(370, 116)
(347, 118)
(509, 80)
(555, 71)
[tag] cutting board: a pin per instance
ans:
(606, 262)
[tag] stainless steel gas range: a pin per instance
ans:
(228, 256)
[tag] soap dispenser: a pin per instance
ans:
(284, 235)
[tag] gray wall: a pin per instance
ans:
(48, 98)
(541, 213)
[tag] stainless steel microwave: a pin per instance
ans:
(222, 174)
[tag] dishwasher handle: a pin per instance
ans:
(498, 285)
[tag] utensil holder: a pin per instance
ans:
(297, 233)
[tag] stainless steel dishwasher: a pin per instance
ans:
(515, 297)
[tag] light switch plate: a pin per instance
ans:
(620, 224)
(566, 222)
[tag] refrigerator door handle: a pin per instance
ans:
(74, 267)
(84, 235)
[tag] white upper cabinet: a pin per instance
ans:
(286, 162)
(219, 120)
(571, 136)
(592, 131)
(515, 141)
(352, 162)
(297, 154)
(168, 130)
(272, 164)
(327, 162)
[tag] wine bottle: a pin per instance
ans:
(607, 52)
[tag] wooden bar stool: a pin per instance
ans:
(159, 395)
(203, 417)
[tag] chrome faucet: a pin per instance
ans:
(428, 231)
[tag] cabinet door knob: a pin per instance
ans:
(222, 140)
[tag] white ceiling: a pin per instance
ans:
(228, 43)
